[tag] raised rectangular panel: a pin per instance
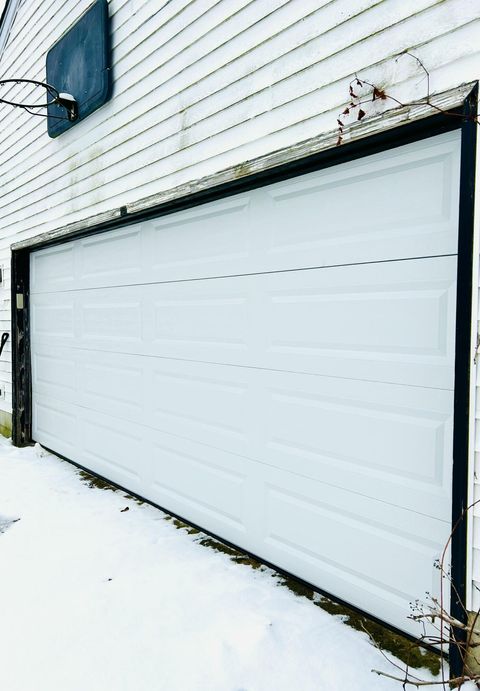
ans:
(356, 212)
(198, 482)
(389, 442)
(52, 318)
(55, 425)
(53, 269)
(202, 403)
(111, 317)
(207, 319)
(389, 439)
(385, 322)
(54, 374)
(113, 448)
(203, 241)
(113, 384)
(111, 259)
(380, 319)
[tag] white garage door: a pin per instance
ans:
(276, 367)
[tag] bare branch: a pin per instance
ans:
(455, 681)
(356, 101)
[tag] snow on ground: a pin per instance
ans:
(93, 598)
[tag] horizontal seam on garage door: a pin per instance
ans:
(253, 367)
(245, 275)
(253, 460)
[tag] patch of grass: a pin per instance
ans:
(180, 525)
(135, 499)
(296, 587)
(93, 481)
(236, 556)
(206, 541)
(96, 482)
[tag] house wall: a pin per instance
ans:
(202, 85)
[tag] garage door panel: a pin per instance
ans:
(93, 259)
(213, 405)
(309, 529)
(385, 441)
(355, 553)
(54, 372)
(401, 203)
(219, 237)
(277, 367)
(111, 380)
(349, 542)
(209, 320)
(110, 384)
(114, 448)
(381, 322)
(54, 319)
(386, 310)
(350, 211)
(211, 408)
(111, 318)
(181, 468)
(375, 440)
(53, 269)
(56, 426)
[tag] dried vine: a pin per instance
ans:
(375, 93)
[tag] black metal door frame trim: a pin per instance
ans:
(408, 133)
(463, 361)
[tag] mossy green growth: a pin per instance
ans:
(94, 481)
(404, 649)
(135, 499)
(210, 542)
(236, 556)
(180, 525)
(296, 587)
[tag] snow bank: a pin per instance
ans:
(93, 598)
